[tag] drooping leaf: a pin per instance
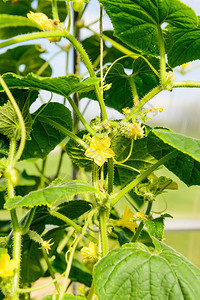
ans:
(136, 22)
(119, 95)
(186, 46)
(63, 85)
(186, 163)
(58, 190)
(45, 136)
(23, 60)
(135, 273)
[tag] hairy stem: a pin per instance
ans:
(103, 230)
(115, 198)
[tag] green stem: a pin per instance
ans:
(91, 292)
(110, 175)
(29, 220)
(141, 225)
(73, 224)
(29, 290)
(161, 43)
(189, 83)
(16, 255)
(21, 122)
(55, 10)
(76, 44)
(134, 90)
(142, 102)
(115, 198)
(69, 16)
(101, 47)
(80, 116)
(103, 230)
(51, 270)
(63, 130)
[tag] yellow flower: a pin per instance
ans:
(41, 19)
(89, 252)
(155, 109)
(170, 76)
(137, 130)
(99, 150)
(46, 245)
(140, 216)
(125, 220)
(7, 265)
(126, 110)
(183, 66)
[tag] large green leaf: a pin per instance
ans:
(186, 46)
(186, 163)
(23, 60)
(135, 273)
(45, 136)
(58, 190)
(63, 85)
(119, 95)
(136, 22)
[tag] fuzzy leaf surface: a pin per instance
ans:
(186, 163)
(135, 273)
(141, 19)
(49, 195)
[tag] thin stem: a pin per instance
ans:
(110, 175)
(29, 220)
(80, 116)
(130, 152)
(29, 290)
(69, 16)
(134, 90)
(51, 270)
(115, 198)
(101, 47)
(64, 286)
(161, 43)
(60, 163)
(76, 44)
(142, 102)
(189, 83)
(103, 230)
(73, 224)
(21, 121)
(55, 10)
(64, 131)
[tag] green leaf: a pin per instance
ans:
(58, 190)
(4, 145)
(120, 94)
(77, 153)
(140, 159)
(9, 121)
(186, 46)
(12, 21)
(26, 57)
(135, 273)
(155, 227)
(44, 136)
(186, 163)
(91, 45)
(71, 209)
(136, 22)
(66, 297)
(63, 85)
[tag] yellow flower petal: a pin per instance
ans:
(99, 159)
(125, 220)
(7, 265)
(41, 19)
(89, 252)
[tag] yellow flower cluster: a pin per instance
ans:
(99, 150)
(7, 265)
